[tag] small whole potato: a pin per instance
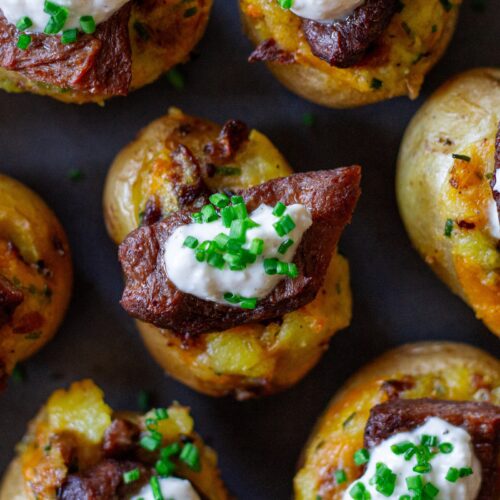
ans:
(249, 360)
(437, 370)
(162, 34)
(77, 435)
(396, 63)
(35, 274)
(445, 168)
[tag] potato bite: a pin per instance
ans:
(78, 447)
(446, 187)
(145, 183)
(453, 388)
(35, 274)
(366, 52)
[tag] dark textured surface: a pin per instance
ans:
(396, 297)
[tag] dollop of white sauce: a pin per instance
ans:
(494, 222)
(172, 488)
(100, 10)
(325, 10)
(466, 488)
(210, 283)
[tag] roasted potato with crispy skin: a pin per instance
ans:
(248, 360)
(394, 65)
(445, 167)
(77, 447)
(35, 274)
(437, 370)
(161, 33)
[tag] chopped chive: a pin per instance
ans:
(235, 262)
(190, 242)
(208, 213)
(191, 456)
(237, 199)
(270, 266)
(452, 475)
(448, 228)
(221, 241)
(150, 442)
(164, 467)
(405, 497)
(282, 268)
(409, 453)
(131, 476)
(430, 490)
(361, 456)
(69, 36)
(358, 491)
(156, 488)
(251, 223)
(279, 209)
(284, 226)
(238, 230)
(465, 471)
(285, 246)
(220, 200)
(384, 479)
(461, 157)
(87, 24)
(24, 23)
(340, 476)
(170, 450)
(233, 246)
(293, 270)
(400, 448)
(422, 468)
(59, 16)
(257, 246)
(414, 483)
(23, 41)
(197, 217)
(427, 440)
(240, 210)
(249, 303)
(161, 413)
(446, 448)
(285, 4)
(228, 171)
(215, 260)
(200, 255)
(231, 298)
(227, 215)
(144, 401)
(176, 79)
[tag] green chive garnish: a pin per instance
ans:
(24, 23)
(361, 456)
(400, 448)
(430, 491)
(208, 213)
(358, 491)
(170, 450)
(285, 246)
(285, 4)
(414, 483)
(197, 217)
(87, 24)
(23, 41)
(240, 210)
(191, 456)
(257, 246)
(446, 448)
(227, 215)
(131, 476)
(284, 225)
(164, 467)
(422, 468)
(238, 230)
(236, 199)
(190, 242)
(448, 228)
(150, 443)
(279, 209)
(427, 440)
(161, 413)
(220, 200)
(465, 471)
(340, 476)
(461, 157)
(155, 487)
(215, 260)
(452, 475)
(250, 303)
(270, 266)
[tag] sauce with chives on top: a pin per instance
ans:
(234, 258)
(324, 10)
(436, 461)
(172, 488)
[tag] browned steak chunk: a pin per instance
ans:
(480, 420)
(343, 43)
(269, 51)
(120, 438)
(104, 481)
(98, 64)
(150, 296)
(496, 174)
(231, 138)
(10, 298)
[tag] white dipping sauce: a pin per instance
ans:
(172, 488)
(100, 10)
(494, 222)
(325, 10)
(210, 283)
(466, 488)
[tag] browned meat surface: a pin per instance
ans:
(10, 298)
(496, 174)
(231, 138)
(150, 296)
(269, 51)
(104, 481)
(480, 420)
(98, 64)
(120, 438)
(343, 43)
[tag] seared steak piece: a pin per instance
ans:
(10, 298)
(150, 296)
(120, 438)
(231, 138)
(480, 420)
(343, 43)
(269, 51)
(104, 481)
(98, 64)
(496, 174)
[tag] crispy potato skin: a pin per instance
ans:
(29, 234)
(247, 361)
(172, 36)
(432, 187)
(422, 27)
(85, 402)
(441, 370)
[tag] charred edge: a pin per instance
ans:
(269, 51)
(233, 135)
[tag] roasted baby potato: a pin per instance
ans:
(161, 34)
(35, 274)
(248, 360)
(78, 447)
(436, 370)
(445, 169)
(394, 65)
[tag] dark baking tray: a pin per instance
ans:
(397, 299)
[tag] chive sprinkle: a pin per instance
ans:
(448, 228)
(190, 242)
(279, 209)
(461, 157)
(23, 41)
(69, 36)
(285, 4)
(446, 448)
(285, 246)
(190, 455)
(340, 476)
(164, 467)
(361, 456)
(24, 23)
(87, 24)
(155, 487)
(131, 476)
(452, 475)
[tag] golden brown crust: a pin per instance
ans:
(397, 62)
(36, 260)
(439, 370)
